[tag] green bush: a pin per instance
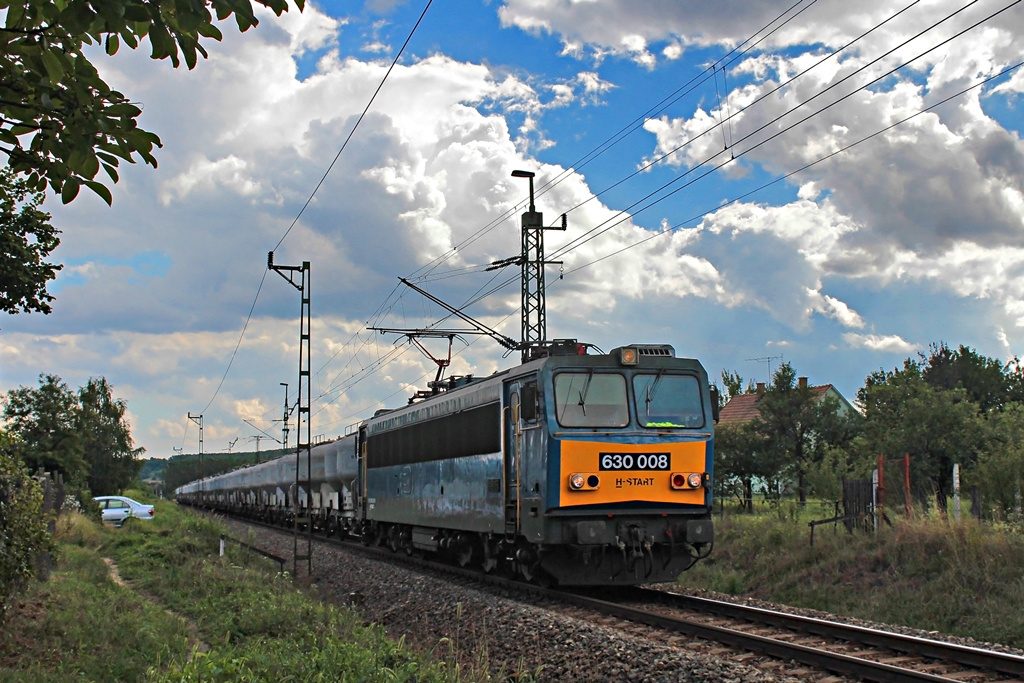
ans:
(23, 534)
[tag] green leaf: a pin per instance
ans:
(54, 69)
(122, 109)
(112, 44)
(15, 13)
(210, 31)
(129, 38)
(101, 190)
(70, 190)
(163, 44)
(111, 172)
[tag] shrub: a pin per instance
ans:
(23, 534)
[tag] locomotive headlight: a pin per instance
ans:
(582, 481)
(629, 356)
(695, 480)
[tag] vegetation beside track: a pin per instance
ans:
(185, 614)
(959, 578)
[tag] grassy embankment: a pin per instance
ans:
(187, 615)
(962, 578)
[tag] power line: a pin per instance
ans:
(310, 199)
(790, 127)
(608, 224)
(673, 228)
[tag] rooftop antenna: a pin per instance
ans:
(768, 360)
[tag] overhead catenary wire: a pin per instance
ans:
(634, 125)
(693, 82)
(609, 224)
(312, 194)
(811, 164)
(566, 249)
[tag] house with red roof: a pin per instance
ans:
(743, 407)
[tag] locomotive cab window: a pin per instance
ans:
(666, 401)
(589, 399)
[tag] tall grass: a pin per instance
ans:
(962, 578)
(188, 615)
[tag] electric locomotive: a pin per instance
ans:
(571, 468)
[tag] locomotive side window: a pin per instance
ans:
(589, 399)
(530, 407)
(668, 401)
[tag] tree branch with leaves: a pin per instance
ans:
(60, 123)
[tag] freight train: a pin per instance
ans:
(574, 468)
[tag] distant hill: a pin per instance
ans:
(181, 469)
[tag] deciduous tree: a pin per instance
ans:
(26, 239)
(799, 425)
(85, 435)
(937, 427)
(114, 462)
(44, 419)
(984, 379)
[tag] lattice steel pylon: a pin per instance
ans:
(534, 307)
(303, 428)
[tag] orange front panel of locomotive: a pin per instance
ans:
(594, 473)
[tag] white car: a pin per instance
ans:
(116, 509)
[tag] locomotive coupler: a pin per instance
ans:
(637, 547)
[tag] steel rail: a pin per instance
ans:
(834, 662)
(988, 660)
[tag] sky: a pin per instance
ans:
(830, 184)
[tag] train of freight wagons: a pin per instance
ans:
(574, 468)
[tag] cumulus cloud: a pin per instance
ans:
(877, 342)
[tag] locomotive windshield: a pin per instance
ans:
(668, 401)
(589, 399)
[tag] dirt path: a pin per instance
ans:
(195, 644)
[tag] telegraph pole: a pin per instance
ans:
(258, 438)
(299, 278)
(534, 308)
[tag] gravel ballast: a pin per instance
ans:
(503, 636)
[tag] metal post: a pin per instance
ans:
(880, 490)
(876, 489)
(534, 308)
(198, 419)
(302, 403)
(907, 503)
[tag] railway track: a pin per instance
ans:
(844, 649)
(808, 647)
